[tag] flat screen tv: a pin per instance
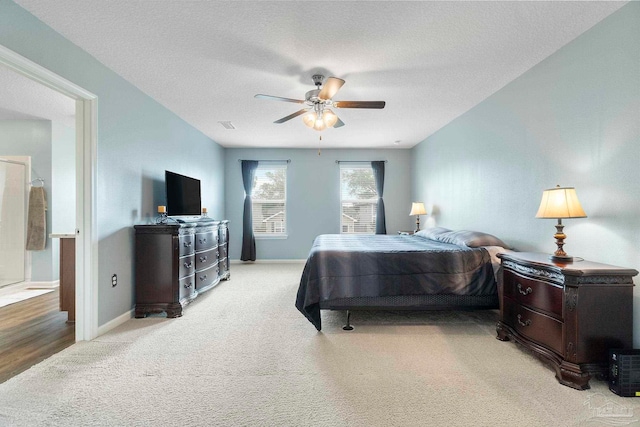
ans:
(183, 194)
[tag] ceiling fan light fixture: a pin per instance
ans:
(329, 118)
(319, 124)
(309, 119)
(315, 114)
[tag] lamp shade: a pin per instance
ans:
(309, 119)
(417, 208)
(560, 202)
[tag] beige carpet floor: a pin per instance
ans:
(242, 355)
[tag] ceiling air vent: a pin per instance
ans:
(227, 124)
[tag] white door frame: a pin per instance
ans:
(86, 167)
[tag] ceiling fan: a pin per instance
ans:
(317, 113)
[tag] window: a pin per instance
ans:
(358, 199)
(269, 201)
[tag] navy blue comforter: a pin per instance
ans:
(346, 266)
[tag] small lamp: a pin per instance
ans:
(559, 203)
(162, 215)
(417, 209)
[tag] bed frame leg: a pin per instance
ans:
(348, 326)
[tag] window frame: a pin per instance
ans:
(271, 166)
(373, 201)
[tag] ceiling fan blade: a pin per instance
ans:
(291, 116)
(330, 88)
(278, 98)
(339, 124)
(359, 104)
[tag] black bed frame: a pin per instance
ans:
(411, 302)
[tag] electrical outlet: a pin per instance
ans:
(114, 280)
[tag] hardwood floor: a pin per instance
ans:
(31, 331)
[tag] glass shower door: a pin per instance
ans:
(12, 221)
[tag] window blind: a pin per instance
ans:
(358, 199)
(269, 200)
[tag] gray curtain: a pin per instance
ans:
(248, 239)
(378, 174)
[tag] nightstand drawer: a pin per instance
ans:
(540, 328)
(534, 293)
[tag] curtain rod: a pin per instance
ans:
(263, 161)
(359, 161)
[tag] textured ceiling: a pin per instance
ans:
(24, 99)
(430, 61)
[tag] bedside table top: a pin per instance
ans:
(575, 268)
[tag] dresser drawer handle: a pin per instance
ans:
(203, 258)
(203, 240)
(526, 291)
(187, 244)
(203, 277)
(187, 285)
(525, 323)
(188, 264)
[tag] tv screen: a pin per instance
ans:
(183, 194)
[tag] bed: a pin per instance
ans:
(434, 269)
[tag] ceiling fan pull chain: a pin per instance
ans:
(319, 145)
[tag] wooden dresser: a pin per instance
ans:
(175, 263)
(569, 314)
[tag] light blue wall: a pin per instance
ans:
(63, 184)
(572, 120)
(137, 140)
(313, 197)
(63, 178)
(33, 138)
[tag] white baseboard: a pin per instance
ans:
(44, 285)
(269, 261)
(103, 329)
(25, 285)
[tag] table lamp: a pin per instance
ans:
(417, 209)
(559, 203)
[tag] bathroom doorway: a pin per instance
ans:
(13, 179)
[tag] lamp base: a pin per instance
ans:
(557, 258)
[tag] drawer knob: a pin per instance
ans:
(525, 323)
(203, 240)
(526, 291)
(187, 244)
(203, 258)
(187, 285)
(187, 264)
(203, 277)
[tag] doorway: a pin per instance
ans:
(13, 178)
(86, 271)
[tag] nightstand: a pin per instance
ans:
(568, 314)
(406, 233)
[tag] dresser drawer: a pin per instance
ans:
(187, 286)
(534, 293)
(536, 326)
(206, 277)
(206, 258)
(186, 265)
(185, 244)
(206, 240)
(223, 232)
(223, 250)
(224, 265)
